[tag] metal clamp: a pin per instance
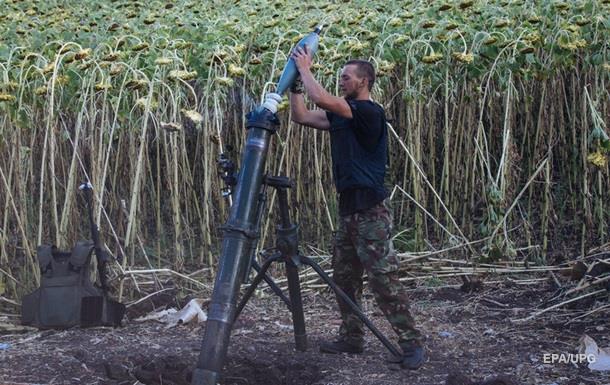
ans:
(252, 234)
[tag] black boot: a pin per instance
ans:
(342, 345)
(413, 355)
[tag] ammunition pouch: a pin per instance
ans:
(67, 297)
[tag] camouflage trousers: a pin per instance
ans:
(363, 243)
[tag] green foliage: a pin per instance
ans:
(433, 282)
(483, 32)
(110, 66)
(405, 241)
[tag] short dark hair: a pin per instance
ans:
(364, 69)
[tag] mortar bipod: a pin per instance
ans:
(287, 251)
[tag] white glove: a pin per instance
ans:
(271, 101)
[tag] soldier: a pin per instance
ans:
(359, 147)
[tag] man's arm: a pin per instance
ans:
(314, 90)
(300, 114)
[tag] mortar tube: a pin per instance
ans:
(239, 233)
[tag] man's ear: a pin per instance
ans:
(364, 82)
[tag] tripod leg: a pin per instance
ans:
(272, 285)
(259, 277)
(354, 307)
(298, 319)
(288, 245)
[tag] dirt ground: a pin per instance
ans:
(467, 333)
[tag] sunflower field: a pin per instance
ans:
(499, 112)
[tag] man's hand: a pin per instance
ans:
(302, 58)
(316, 93)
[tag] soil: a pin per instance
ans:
(470, 337)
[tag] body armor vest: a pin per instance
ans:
(67, 297)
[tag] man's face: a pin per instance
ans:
(350, 83)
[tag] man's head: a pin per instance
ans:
(357, 79)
